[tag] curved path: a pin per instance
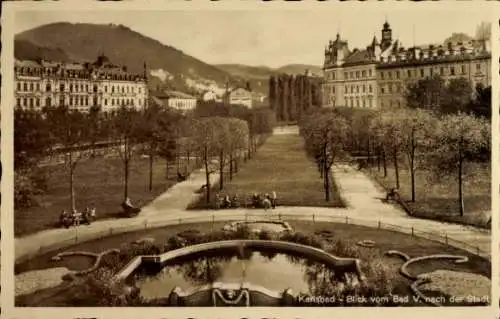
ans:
(361, 195)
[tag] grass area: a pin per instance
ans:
(342, 238)
(438, 199)
(98, 181)
(280, 165)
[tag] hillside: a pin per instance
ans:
(123, 46)
(25, 50)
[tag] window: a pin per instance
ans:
(422, 74)
(357, 102)
(71, 101)
(333, 77)
(478, 67)
(441, 71)
(48, 88)
(370, 72)
(61, 101)
(397, 74)
(431, 71)
(452, 70)
(38, 86)
(357, 74)
(106, 89)
(18, 102)
(86, 87)
(112, 101)
(95, 101)
(113, 89)
(390, 74)
(382, 89)
(32, 87)
(370, 88)
(364, 88)
(371, 102)
(61, 87)
(364, 103)
(463, 69)
(106, 102)
(346, 89)
(381, 75)
(346, 75)
(37, 102)
(363, 73)
(18, 86)
(48, 102)
(357, 88)
(95, 88)
(25, 87)
(71, 87)
(31, 102)
(390, 88)
(86, 100)
(409, 73)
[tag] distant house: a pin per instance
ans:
(209, 96)
(238, 96)
(176, 100)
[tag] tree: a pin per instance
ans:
(205, 140)
(238, 134)
(483, 31)
(458, 135)
(222, 146)
(417, 129)
(68, 130)
(126, 123)
(31, 139)
(326, 142)
(426, 93)
(148, 132)
(457, 96)
(481, 105)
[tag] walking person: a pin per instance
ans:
(273, 199)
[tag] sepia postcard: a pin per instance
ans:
(240, 160)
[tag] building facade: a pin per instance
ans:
(238, 96)
(378, 76)
(40, 84)
(176, 100)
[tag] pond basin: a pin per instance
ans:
(271, 269)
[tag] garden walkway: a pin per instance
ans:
(361, 195)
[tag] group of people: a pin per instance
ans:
(76, 218)
(265, 201)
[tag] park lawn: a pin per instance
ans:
(280, 165)
(438, 199)
(98, 181)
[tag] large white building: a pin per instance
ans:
(176, 100)
(377, 76)
(238, 96)
(79, 86)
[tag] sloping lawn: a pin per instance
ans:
(98, 181)
(438, 199)
(280, 165)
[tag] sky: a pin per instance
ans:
(272, 37)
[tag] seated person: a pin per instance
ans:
(392, 194)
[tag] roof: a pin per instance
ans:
(358, 56)
(171, 94)
(26, 63)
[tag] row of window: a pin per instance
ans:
(72, 101)
(77, 87)
(409, 73)
(354, 89)
(391, 88)
(351, 75)
(357, 102)
(431, 71)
